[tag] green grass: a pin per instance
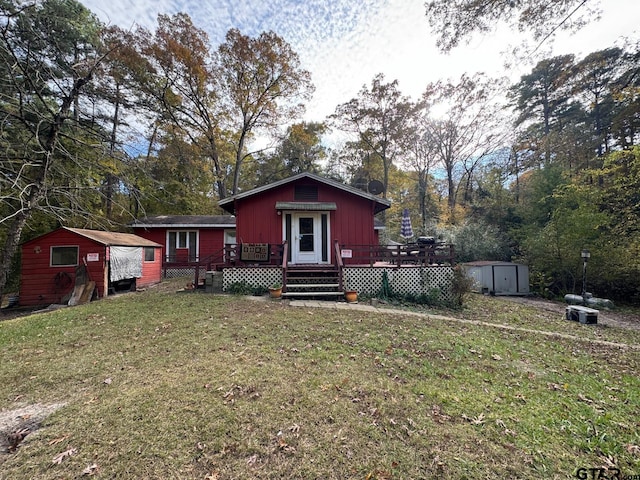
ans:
(188, 385)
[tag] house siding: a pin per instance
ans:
(38, 278)
(210, 242)
(352, 221)
(210, 239)
(151, 271)
(38, 284)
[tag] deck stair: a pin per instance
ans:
(313, 282)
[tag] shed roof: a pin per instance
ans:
(484, 263)
(113, 238)
(229, 203)
(186, 221)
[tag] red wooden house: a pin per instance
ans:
(188, 238)
(313, 235)
(309, 213)
(49, 263)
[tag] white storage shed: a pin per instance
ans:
(498, 278)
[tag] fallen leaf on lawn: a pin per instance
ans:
(584, 399)
(479, 420)
(61, 456)
(90, 470)
(295, 428)
(107, 381)
(635, 449)
(55, 441)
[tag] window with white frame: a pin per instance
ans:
(180, 242)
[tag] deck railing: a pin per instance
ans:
(339, 263)
(229, 256)
(344, 255)
(398, 255)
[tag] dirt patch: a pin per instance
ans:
(609, 318)
(16, 425)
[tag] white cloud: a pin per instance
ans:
(345, 43)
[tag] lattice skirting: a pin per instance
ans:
(175, 272)
(365, 280)
(405, 280)
(256, 277)
(179, 272)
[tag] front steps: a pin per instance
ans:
(313, 282)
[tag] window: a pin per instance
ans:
(149, 254)
(64, 256)
(179, 241)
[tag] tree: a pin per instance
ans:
(466, 133)
(595, 80)
(299, 151)
(260, 83)
(457, 20)
(381, 119)
(116, 102)
(49, 53)
(175, 71)
(420, 156)
(619, 180)
(540, 97)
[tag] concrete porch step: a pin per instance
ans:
(312, 294)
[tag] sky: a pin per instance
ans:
(345, 43)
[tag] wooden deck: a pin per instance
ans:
(396, 256)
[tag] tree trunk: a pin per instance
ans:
(38, 188)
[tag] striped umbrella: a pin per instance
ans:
(406, 231)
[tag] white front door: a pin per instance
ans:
(306, 242)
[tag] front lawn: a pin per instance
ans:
(196, 386)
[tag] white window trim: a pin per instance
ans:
(177, 231)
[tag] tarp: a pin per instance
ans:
(126, 262)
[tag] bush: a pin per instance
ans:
(245, 288)
(461, 285)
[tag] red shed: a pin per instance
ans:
(309, 212)
(49, 263)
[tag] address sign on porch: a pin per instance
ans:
(254, 252)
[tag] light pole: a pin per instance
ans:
(585, 258)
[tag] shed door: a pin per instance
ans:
(505, 279)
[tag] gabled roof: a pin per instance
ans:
(186, 221)
(113, 238)
(101, 237)
(229, 202)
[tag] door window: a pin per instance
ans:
(306, 234)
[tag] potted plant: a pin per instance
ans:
(275, 290)
(351, 296)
